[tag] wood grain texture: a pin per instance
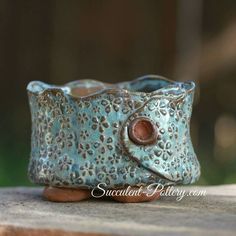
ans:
(23, 211)
(20, 231)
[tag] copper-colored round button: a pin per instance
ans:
(142, 131)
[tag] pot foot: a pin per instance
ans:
(65, 194)
(143, 197)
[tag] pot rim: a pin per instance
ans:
(170, 87)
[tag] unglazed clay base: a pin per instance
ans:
(75, 195)
(143, 197)
(66, 194)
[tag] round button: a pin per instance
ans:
(142, 131)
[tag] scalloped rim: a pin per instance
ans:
(39, 88)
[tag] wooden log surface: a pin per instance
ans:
(24, 212)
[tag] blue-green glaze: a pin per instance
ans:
(79, 141)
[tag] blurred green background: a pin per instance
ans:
(117, 40)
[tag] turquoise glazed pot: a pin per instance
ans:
(131, 133)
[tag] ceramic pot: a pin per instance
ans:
(126, 134)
